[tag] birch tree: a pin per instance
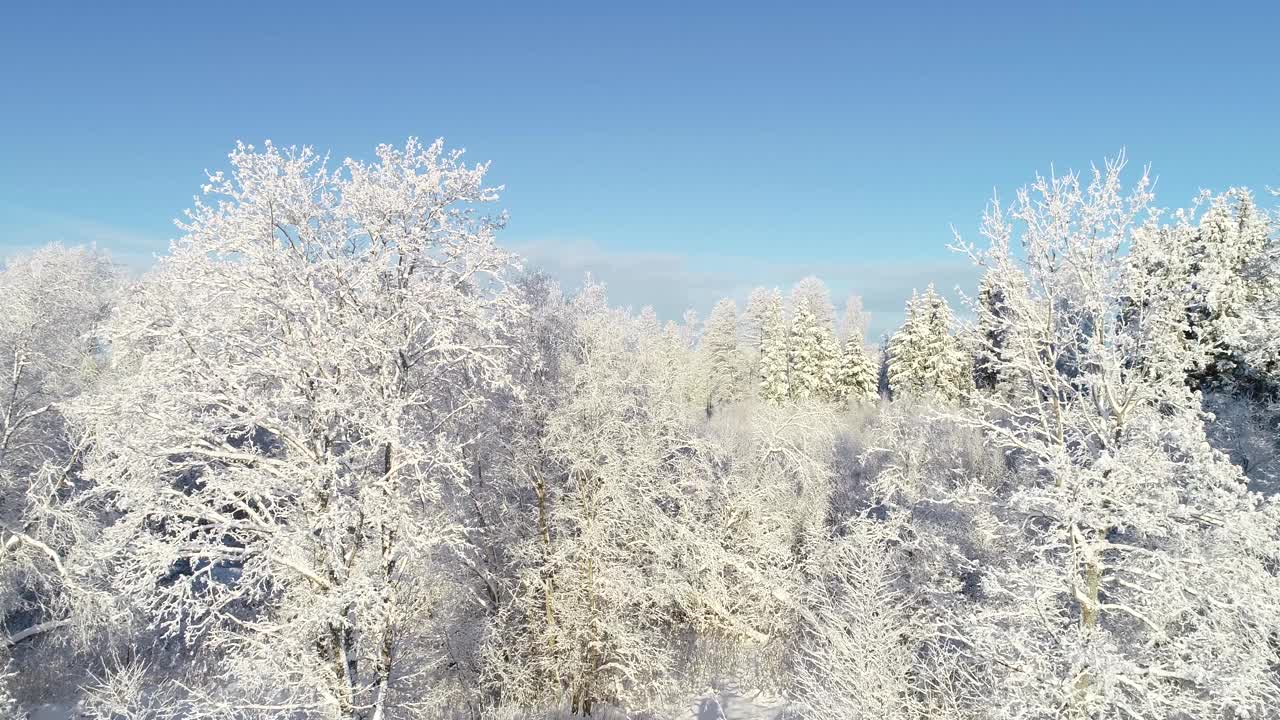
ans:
(620, 572)
(1142, 580)
(52, 304)
(288, 401)
(858, 653)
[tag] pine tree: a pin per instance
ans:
(856, 380)
(855, 318)
(814, 357)
(721, 358)
(759, 304)
(993, 333)
(900, 355)
(924, 358)
(775, 384)
(1217, 271)
(813, 294)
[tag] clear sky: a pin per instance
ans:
(681, 150)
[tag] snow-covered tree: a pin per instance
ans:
(721, 357)
(751, 329)
(1217, 267)
(856, 318)
(770, 517)
(761, 303)
(1141, 573)
(994, 329)
(624, 564)
(775, 384)
(810, 292)
(856, 375)
(924, 358)
(52, 304)
(814, 357)
(8, 704)
(1254, 337)
(289, 401)
(858, 653)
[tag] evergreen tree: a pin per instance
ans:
(751, 330)
(855, 318)
(856, 378)
(721, 358)
(924, 358)
(759, 304)
(814, 356)
(774, 381)
(813, 294)
(993, 333)
(1217, 270)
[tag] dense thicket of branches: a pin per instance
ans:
(337, 456)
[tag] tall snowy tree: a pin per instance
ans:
(925, 359)
(856, 376)
(606, 589)
(775, 383)
(1255, 336)
(1218, 264)
(721, 357)
(994, 330)
(291, 395)
(814, 357)
(1140, 576)
(760, 304)
(52, 305)
(811, 293)
(855, 319)
(751, 331)
(858, 651)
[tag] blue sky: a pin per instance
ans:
(681, 150)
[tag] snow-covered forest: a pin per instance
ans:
(338, 455)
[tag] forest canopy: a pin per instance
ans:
(339, 456)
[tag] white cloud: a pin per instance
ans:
(674, 282)
(24, 229)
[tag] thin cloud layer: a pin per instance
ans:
(672, 282)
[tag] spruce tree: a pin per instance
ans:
(992, 333)
(814, 356)
(856, 380)
(925, 359)
(813, 294)
(774, 367)
(1217, 270)
(760, 304)
(721, 358)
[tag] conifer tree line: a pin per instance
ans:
(338, 456)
